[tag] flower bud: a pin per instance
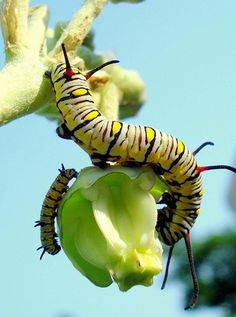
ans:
(107, 225)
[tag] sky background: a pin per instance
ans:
(186, 53)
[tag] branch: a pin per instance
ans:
(79, 26)
(37, 27)
(14, 26)
(23, 91)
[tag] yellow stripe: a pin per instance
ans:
(201, 192)
(116, 127)
(75, 70)
(91, 115)
(180, 147)
(150, 134)
(79, 92)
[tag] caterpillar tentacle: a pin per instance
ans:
(167, 266)
(195, 294)
(202, 146)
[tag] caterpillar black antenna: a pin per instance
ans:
(69, 71)
(202, 146)
(195, 294)
(167, 266)
(91, 72)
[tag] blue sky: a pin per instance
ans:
(185, 52)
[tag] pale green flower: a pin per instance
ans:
(107, 225)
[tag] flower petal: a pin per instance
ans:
(107, 225)
(76, 238)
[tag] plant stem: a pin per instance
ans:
(79, 26)
(24, 89)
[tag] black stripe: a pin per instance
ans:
(195, 195)
(70, 96)
(161, 139)
(49, 207)
(186, 209)
(140, 137)
(80, 126)
(185, 219)
(111, 130)
(135, 133)
(72, 88)
(126, 135)
(171, 148)
(60, 180)
(53, 199)
(92, 109)
(81, 111)
(114, 140)
(94, 126)
(63, 99)
(170, 240)
(192, 177)
(105, 130)
(57, 67)
(176, 161)
(149, 149)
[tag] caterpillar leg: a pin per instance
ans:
(167, 199)
(47, 74)
(158, 169)
(49, 211)
(131, 164)
(63, 132)
(99, 160)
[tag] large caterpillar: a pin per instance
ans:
(109, 141)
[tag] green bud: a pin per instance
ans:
(131, 89)
(107, 225)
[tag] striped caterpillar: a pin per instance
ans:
(108, 141)
(48, 211)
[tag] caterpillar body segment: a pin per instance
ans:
(49, 211)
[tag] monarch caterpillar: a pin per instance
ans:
(48, 211)
(108, 141)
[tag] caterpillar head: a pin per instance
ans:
(69, 71)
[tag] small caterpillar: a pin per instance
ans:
(108, 141)
(48, 211)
